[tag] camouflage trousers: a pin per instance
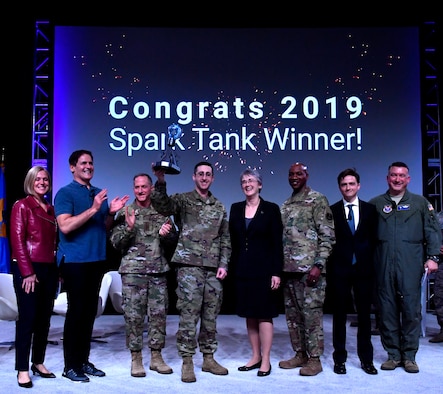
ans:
(304, 313)
(438, 295)
(145, 296)
(199, 296)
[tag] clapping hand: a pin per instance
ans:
(118, 203)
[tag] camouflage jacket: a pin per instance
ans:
(204, 239)
(141, 247)
(308, 233)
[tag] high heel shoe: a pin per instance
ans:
(254, 366)
(36, 371)
(26, 385)
(265, 373)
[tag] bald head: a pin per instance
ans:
(298, 176)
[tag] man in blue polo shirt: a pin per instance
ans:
(83, 217)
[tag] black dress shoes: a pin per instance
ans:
(36, 371)
(254, 366)
(265, 373)
(369, 368)
(26, 385)
(340, 368)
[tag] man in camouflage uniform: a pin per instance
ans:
(308, 237)
(137, 234)
(201, 258)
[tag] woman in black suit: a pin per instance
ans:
(256, 232)
(350, 270)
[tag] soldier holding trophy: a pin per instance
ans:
(201, 261)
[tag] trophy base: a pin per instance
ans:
(168, 167)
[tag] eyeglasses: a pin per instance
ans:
(248, 181)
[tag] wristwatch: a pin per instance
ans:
(434, 258)
(319, 266)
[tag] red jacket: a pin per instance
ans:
(33, 234)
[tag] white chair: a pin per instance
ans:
(115, 291)
(61, 302)
(425, 298)
(8, 303)
(103, 294)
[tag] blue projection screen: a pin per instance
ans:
(244, 97)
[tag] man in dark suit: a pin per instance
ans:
(351, 271)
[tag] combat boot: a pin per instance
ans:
(137, 369)
(210, 365)
(313, 367)
(158, 364)
(188, 375)
(437, 338)
(299, 360)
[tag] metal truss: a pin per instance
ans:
(431, 110)
(41, 117)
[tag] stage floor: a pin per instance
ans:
(234, 351)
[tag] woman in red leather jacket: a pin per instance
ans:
(33, 244)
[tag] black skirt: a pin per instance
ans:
(255, 299)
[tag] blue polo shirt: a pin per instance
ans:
(87, 243)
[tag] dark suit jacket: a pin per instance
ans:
(362, 243)
(257, 251)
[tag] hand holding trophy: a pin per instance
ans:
(170, 167)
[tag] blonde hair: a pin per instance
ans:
(28, 184)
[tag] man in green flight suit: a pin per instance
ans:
(408, 242)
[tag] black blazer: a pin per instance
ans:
(257, 251)
(362, 243)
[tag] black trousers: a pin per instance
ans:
(81, 281)
(34, 314)
(361, 288)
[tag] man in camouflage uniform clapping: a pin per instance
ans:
(201, 258)
(137, 233)
(308, 236)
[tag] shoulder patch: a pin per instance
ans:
(387, 209)
(430, 207)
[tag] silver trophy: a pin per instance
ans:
(168, 161)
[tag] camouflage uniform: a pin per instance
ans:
(438, 285)
(438, 294)
(143, 270)
(308, 237)
(203, 247)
